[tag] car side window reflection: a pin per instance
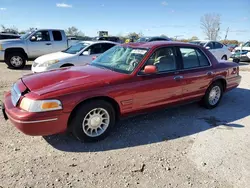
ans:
(164, 59)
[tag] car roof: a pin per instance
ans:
(154, 37)
(156, 44)
(98, 41)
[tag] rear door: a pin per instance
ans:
(59, 43)
(197, 72)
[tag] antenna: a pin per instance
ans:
(226, 33)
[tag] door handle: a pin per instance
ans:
(177, 78)
(210, 73)
(48, 44)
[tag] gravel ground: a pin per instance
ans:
(186, 146)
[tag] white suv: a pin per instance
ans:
(219, 50)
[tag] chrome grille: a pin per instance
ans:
(15, 94)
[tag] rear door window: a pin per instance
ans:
(57, 35)
(193, 58)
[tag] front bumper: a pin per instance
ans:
(34, 124)
(38, 69)
(1, 55)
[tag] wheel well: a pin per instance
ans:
(223, 82)
(104, 98)
(11, 50)
(67, 65)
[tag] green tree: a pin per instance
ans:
(135, 35)
(73, 31)
(194, 38)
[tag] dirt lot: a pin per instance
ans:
(186, 146)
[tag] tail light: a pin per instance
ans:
(236, 70)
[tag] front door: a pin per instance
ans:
(94, 51)
(39, 44)
(197, 73)
(162, 88)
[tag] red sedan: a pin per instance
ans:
(127, 79)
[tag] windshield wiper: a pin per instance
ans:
(102, 66)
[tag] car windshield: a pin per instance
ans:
(247, 44)
(120, 59)
(74, 49)
(25, 35)
(198, 43)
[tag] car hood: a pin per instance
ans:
(54, 56)
(71, 78)
(10, 40)
(12, 43)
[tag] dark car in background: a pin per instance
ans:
(4, 36)
(108, 38)
(151, 39)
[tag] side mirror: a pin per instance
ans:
(86, 53)
(94, 57)
(207, 47)
(150, 69)
(33, 38)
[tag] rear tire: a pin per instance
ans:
(93, 121)
(16, 60)
(213, 95)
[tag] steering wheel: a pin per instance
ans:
(134, 63)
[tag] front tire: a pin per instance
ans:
(213, 95)
(93, 121)
(16, 60)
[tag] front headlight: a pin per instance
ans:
(40, 105)
(48, 63)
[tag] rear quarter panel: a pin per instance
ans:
(231, 72)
